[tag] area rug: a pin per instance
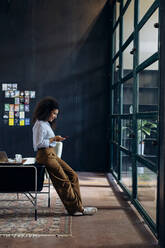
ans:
(17, 217)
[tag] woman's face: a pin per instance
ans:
(53, 115)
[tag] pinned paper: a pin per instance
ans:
(11, 107)
(27, 107)
(27, 92)
(9, 87)
(7, 93)
(4, 87)
(32, 94)
(7, 107)
(11, 122)
(22, 115)
(27, 121)
(22, 122)
(17, 93)
(11, 114)
(12, 93)
(16, 100)
(16, 107)
(14, 86)
(21, 107)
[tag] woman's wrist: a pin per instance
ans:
(57, 138)
(52, 139)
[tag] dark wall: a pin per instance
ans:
(60, 48)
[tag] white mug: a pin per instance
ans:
(18, 158)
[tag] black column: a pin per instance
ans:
(161, 174)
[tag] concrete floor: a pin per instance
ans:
(116, 224)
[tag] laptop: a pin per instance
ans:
(3, 157)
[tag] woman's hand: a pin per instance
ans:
(59, 138)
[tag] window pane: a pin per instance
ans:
(116, 40)
(128, 21)
(147, 139)
(115, 131)
(148, 38)
(147, 189)
(116, 71)
(126, 171)
(115, 159)
(116, 100)
(127, 134)
(128, 97)
(127, 60)
(148, 88)
(144, 6)
(124, 2)
(117, 11)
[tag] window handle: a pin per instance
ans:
(133, 50)
(156, 25)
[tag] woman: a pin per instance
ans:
(64, 179)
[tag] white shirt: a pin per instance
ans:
(42, 132)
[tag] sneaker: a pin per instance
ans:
(89, 210)
(77, 214)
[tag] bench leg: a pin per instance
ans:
(49, 201)
(35, 214)
(48, 191)
(17, 196)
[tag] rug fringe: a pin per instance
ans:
(30, 235)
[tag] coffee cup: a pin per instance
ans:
(18, 158)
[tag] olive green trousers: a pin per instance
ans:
(63, 177)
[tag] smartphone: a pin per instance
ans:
(66, 137)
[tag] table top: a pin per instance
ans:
(25, 161)
(12, 163)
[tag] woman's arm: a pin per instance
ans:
(39, 136)
(56, 138)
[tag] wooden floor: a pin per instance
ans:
(116, 224)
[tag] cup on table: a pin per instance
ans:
(18, 158)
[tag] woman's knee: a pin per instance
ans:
(75, 177)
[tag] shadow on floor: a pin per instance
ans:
(139, 224)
